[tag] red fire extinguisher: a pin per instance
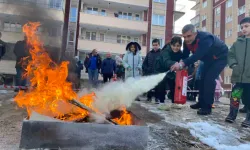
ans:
(181, 81)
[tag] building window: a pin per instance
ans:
(90, 36)
(103, 12)
(56, 4)
(53, 32)
(241, 10)
(229, 3)
(203, 17)
(91, 10)
(137, 17)
(239, 28)
(229, 18)
(204, 29)
(123, 39)
(228, 33)
(102, 37)
(125, 15)
(13, 27)
(204, 4)
(136, 40)
(160, 1)
(217, 11)
(158, 20)
(73, 14)
(217, 24)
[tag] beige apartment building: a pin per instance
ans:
(15, 13)
(222, 18)
(108, 25)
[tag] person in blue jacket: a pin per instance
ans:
(213, 52)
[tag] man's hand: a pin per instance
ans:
(177, 66)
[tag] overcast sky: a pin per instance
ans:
(188, 15)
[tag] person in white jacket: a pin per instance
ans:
(132, 60)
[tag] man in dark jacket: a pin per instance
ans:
(78, 69)
(93, 65)
(108, 68)
(2, 47)
(21, 50)
(148, 66)
(213, 52)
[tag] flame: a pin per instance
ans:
(50, 91)
(125, 118)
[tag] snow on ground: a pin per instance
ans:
(213, 132)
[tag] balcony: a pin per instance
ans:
(13, 37)
(196, 6)
(109, 23)
(107, 45)
(179, 11)
(122, 5)
(32, 10)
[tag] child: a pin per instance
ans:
(148, 67)
(120, 70)
(170, 54)
(238, 60)
(132, 60)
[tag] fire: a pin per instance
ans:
(50, 91)
(125, 118)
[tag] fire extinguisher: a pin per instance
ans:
(181, 81)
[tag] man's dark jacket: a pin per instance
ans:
(206, 48)
(2, 48)
(108, 66)
(21, 50)
(98, 62)
(148, 66)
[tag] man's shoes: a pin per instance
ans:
(204, 112)
(157, 101)
(195, 106)
(149, 99)
(229, 119)
(243, 110)
(16, 90)
(137, 99)
(246, 122)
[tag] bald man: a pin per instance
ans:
(108, 68)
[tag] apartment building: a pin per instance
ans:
(108, 25)
(15, 13)
(222, 18)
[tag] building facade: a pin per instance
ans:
(108, 25)
(222, 18)
(15, 13)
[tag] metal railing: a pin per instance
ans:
(109, 39)
(38, 3)
(114, 15)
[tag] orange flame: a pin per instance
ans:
(125, 118)
(50, 92)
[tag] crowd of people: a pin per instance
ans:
(203, 54)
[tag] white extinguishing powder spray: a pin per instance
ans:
(117, 94)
